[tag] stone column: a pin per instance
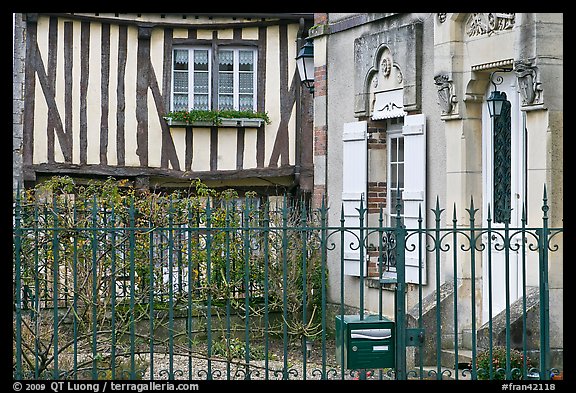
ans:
(320, 125)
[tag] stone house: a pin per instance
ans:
(400, 104)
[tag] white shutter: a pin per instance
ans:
(414, 195)
(354, 184)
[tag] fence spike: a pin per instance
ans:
(472, 210)
(545, 206)
(437, 211)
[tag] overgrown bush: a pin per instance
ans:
(118, 257)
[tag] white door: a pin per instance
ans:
(496, 278)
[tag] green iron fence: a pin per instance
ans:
(217, 290)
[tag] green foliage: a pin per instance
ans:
(235, 348)
(215, 116)
(148, 248)
(498, 361)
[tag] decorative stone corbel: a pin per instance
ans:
(528, 83)
(446, 98)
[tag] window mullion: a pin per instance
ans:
(236, 79)
(191, 92)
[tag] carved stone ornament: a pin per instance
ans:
(528, 85)
(445, 97)
(488, 23)
(442, 17)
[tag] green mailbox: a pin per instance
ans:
(367, 343)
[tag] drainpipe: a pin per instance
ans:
(297, 148)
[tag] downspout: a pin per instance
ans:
(297, 148)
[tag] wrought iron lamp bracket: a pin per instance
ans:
(497, 79)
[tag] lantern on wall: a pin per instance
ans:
(305, 64)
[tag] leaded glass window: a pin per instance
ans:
(502, 176)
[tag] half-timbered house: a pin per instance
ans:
(92, 94)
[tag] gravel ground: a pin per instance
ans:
(220, 369)
(237, 369)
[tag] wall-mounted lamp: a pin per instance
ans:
(497, 98)
(500, 115)
(305, 64)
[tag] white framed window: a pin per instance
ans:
(191, 87)
(395, 170)
(193, 72)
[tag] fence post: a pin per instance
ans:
(437, 247)
(544, 306)
(400, 317)
(55, 247)
(209, 286)
(472, 212)
(323, 250)
(17, 279)
(132, 241)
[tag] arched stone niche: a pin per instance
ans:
(403, 45)
(385, 86)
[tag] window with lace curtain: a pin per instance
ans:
(193, 71)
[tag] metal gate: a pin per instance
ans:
(442, 335)
(210, 289)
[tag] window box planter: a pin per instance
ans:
(233, 122)
(209, 118)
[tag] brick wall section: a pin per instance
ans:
(317, 195)
(376, 137)
(373, 268)
(320, 81)
(376, 196)
(320, 136)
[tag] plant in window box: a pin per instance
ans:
(213, 117)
